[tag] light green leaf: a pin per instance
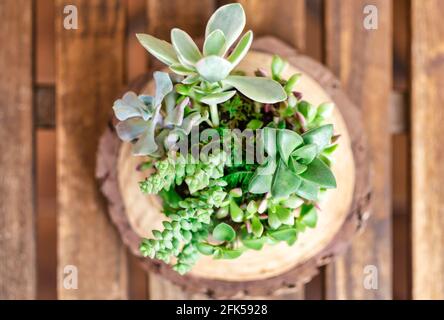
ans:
(257, 226)
(285, 234)
(325, 110)
(287, 141)
(214, 44)
(308, 190)
(273, 220)
(241, 49)
(319, 173)
(260, 184)
(255, 124)
(305, 154)
(259, 89)
(161, 49)
(185, 46)
(236, 213)
(308, 110)
(309, 215)
(255, 244)
(230, 19)
(205, 248)
(213, 68)
(292, 202)
(285, 215)
(176, 115)
(163, 87)
(295, 166)
(223, 253)
(277, 66)
(224, 232)
(191, 79)
(285, 181)
(320, 136)
(217, 98)
(289, 86)
(181, 70)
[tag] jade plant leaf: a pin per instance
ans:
(214, 44)
(285, 182)
(213, 68)
(217, 98)
(230, 19)
(320, 136)
(259, 89)
(161, 49)
(185, 47)
(319, 173)
(241, 49)
(224, 232)
(287, 141)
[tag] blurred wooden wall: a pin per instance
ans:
(57, 88)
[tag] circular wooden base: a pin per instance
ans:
(274, 267)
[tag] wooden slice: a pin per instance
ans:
(277, 267)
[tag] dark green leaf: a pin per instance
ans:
(285, 234)
(254, 124)
(296, 167)
(319, 136)
(308, 190)
(319, 173)
(238, 179)
(224, 232)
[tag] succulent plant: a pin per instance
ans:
(220, 204)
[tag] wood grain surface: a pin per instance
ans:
(361, 59)
(427, 118)
(90, 66)
(17, 222)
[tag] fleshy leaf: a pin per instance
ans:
(224, 232)
(286, 234)
(319, 173)
(309, 215)
(305, 154)
(320, 136)
(163, 87)
(181, 70)
(256, 226)
(273, 220)
(287, 141)
(192, 78)
(236, 213)
(161, 49)
(176, 115)
(214, 44)
(185, 46)
(217, 98)
(130, 129)
(269, 138)
(230, 19)
(223, 253)
(241, 49)
(255, 244)
(285, 181)
(285, 215)
(190, 121)
(205, 248)
(259, 89)
(260, 183)
(295, 166)
(146, 145)
(213, 68)
(308, 190)
(130, 106)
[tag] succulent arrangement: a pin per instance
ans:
(226, 198)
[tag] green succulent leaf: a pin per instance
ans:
(205, 248)
(273, 220)
(320, 136)
(213, 68)
(291, 83)
(214, 44)
(287, 141)
(255, 244)
(308, 190)
(305, 154)
(309, 215)
(277, 67)
(308, 110)
(285, 182)
(176, 115)
(254, 124)
(284, 234)
(217, 98)
(241, 49)
(256, 226)
(285, 215)
(182, 70)
(191, 79)
(325, 110)
(260, 184)
(223, 253)
(185, 46)
(319, 173)
(224, 232)
(296, 167)
(230, 19)
(161, 49)
(259, 89)
(236, 213)
(163, 87)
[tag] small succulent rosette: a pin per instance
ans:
(220, 198)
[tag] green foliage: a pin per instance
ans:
(214, 205)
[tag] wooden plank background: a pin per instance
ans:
(17, 223)
(393, 73)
